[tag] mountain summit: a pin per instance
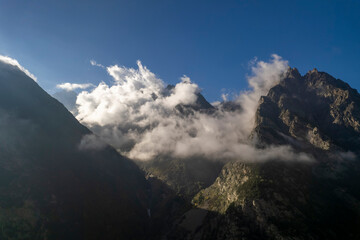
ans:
(314, 109)
(320, 199)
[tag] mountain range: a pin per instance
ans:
(54, 188)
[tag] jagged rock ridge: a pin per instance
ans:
(316, 114)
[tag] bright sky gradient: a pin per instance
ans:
(212, 42)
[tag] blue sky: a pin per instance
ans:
(212, 42)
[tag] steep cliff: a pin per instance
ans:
(319, 199)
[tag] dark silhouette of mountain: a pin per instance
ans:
(49, 187)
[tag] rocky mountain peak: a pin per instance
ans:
(316, 114)
(299, 104)
(292, 73)
(313, 71)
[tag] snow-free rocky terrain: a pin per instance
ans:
(51, 188)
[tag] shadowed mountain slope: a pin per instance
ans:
(314, 114)
(51, 189)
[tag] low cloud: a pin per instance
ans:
(74, 86)
(144, 118)
(264, 76)
(14, 62)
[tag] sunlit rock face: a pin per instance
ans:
(316, 114)
(315, 108)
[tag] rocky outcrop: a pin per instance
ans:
(314, 109)
(316, 114)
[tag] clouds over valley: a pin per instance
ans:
(143, 117)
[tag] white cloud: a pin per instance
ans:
(224, 96)
(137, 115)
(94, 63)
(264, 76)
(136, 98)
(14, 62)
(74, 86)
(184, 92)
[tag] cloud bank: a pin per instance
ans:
(143, 118)
(14, 62)
(74, 86)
